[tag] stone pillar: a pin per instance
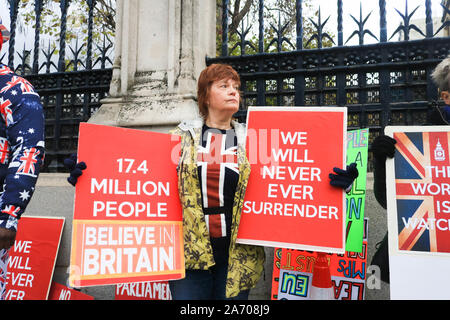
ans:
(160, 50)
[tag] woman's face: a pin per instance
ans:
(445, 95)
(223, 96)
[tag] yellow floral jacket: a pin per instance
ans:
(246, 262)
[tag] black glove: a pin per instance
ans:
(383, 146)
(344, 178)
(74, 168)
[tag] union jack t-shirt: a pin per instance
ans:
(21, 145)
(218, 174)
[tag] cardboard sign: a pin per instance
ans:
(143, 291)
(289, 201)
(357, 150)
(62, 292)
(293, 273)
(418, 205)
(127, 223)
(422, 190)
(32, 258)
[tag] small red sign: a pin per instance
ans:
(32, 258)
(62, 292)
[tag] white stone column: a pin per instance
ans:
(160, 50)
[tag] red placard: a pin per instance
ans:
(289, 201)
(62, 292)
(32, 258)
(127, 223)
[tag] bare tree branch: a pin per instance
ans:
(237, 16)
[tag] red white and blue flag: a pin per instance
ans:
(22, 84)
(217, 164)
(22, 145)
(422, 186)
(28, 162)
(4, 150)
(6, 112)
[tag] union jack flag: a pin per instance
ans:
(4, 150)
(422, 184)
(213, 159)
(11, 210)
(28, 161)
(4, 70)
(25, 86)
(21, 143)
(6, 111)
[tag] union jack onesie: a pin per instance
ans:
(21, 150)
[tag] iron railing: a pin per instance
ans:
(382, 83)
(386, 82)
(70, 83)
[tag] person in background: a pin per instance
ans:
(441, 77)
(212, 190)
(383, 147)
(21, 153)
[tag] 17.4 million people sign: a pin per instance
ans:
(127, 224)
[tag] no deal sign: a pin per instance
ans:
(127, 224)
(289, 201)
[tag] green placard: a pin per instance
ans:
(357, 149)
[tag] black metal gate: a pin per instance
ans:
(70, 83)
(383, 83)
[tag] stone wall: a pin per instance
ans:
(160, 50)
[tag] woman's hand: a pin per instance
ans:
(76, 169)
(344, 178)
(383, 146)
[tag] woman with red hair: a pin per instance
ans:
(213, 172)
(212, 178)
(212, 188)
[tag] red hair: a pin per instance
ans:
(214, 72)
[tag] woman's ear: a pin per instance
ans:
(445, 95)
